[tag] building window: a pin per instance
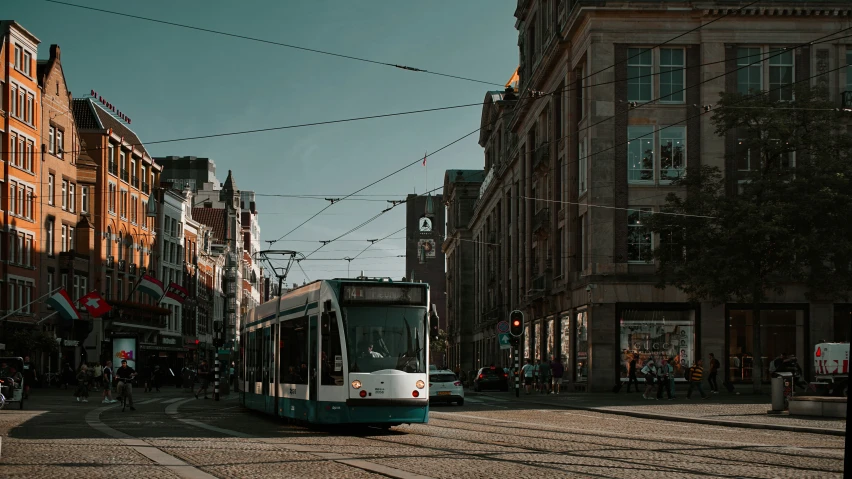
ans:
(639, 332)
(13, 188)
(19, 57)
(64, 194)
(49, 237)
(123, 204)
(28, 60)
(64, 238)
(29, 212)
(51, 142)
(29, 159)
(640, 154)
(29, 118)
(84, 199)
(848, 70)
(749, 70)
(60, 143)
(639, 237)
(582, 232)
(72, 198)
(111, 159)
(781, 75)
(77, 294)
(71, 238)
(51, 189)
(581, 370)
(672, 75)
(672, 152)
(108, 287)
(582, 169)
(109, 243)
(21, 202)
(120, 248)
(49, 282)
(639, 78)
(111, 199)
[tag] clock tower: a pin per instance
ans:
(424, 258)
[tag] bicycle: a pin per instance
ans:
(121, 389)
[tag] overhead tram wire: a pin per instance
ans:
(272, 42)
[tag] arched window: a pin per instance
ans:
(120, 246)
(129, 245)
(109, 242)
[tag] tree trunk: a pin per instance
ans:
(757, 351)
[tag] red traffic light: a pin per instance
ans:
(516, 323)
(197, 342)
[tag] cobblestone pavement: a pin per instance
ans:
(488, 437)
(735, 410)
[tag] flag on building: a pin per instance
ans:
(425, 155)
(150, 286)
(175, 294)
(62, 303)
(95, 304)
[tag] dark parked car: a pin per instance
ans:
(491, 378)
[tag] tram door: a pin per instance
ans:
(313, 351)
(264, 377)
(273, 363)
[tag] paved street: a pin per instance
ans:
(171, 434)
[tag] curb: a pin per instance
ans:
(713, 422)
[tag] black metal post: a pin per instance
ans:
(216, 379)
(517, 368)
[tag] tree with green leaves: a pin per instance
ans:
(780, 213)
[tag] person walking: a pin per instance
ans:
(106, 377)
(558, 370)
(203, 374)
(664, 372)
(631, 374)
(672, 377)
(528, 372)
(711, 375)
(98, 375)
(696, 374)
(650, 372)
(545, 373)
(30, 376)
(82, 391)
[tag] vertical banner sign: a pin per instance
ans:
(124, 349)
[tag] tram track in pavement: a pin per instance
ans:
(589, 438)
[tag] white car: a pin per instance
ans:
(444, 386)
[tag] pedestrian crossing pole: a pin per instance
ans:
(216, 379)
(517, 368)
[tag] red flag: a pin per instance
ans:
(95, 304)
(424, 158)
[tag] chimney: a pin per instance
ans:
(54, 52)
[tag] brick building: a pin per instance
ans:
(20, 139)
(569, 175)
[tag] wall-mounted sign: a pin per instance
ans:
(168, 341)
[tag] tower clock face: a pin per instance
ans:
(425, 225)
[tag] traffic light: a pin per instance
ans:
(516, 323)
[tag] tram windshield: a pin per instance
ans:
(381, 338)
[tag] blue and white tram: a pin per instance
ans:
(340, 351)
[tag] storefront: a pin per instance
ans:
(659, 331)
(783, 330)
(564, 351)
(169, 354)
(581, 346)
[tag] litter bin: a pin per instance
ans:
(782, 390)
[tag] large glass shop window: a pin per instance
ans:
(537, 340)
(657, 334)
(581, 372)
(527, 352)
(564, 351)
(551, 349)
(781, 332)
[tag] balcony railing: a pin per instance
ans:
(110, 262)
(541, 221)
(134, 181)
(125, 176)
(113, 168)
(122, 265)
(145, 188)
(132, 268)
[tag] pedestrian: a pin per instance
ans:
(664, 372)
(650, 372)
(529, 375)
(203, 374)
(106, 377)
(711, 375)
(545, 373)
(631, 374)
(672, 377)
(82, 391)
(694, 375)
(30, 376)
(156, 377)
(536, 376)
(98, 376)
(558, 370)
(68, 376)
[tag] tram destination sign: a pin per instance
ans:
(384, 294)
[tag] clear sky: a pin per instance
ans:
(174, 82)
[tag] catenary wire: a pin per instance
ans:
(271, 42)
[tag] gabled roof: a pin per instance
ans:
(92, 116)
(215, 218)
(230, 184)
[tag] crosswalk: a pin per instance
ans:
(484, 399)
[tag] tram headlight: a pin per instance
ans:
(356, 384)
(420, 384)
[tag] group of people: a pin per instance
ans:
(104, 376)
(545, 377)
(660, 374)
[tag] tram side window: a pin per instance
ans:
(331, 368)
(293, 357)
(258, 354)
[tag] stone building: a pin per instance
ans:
(570, 172)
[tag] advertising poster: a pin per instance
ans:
(124, 348)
